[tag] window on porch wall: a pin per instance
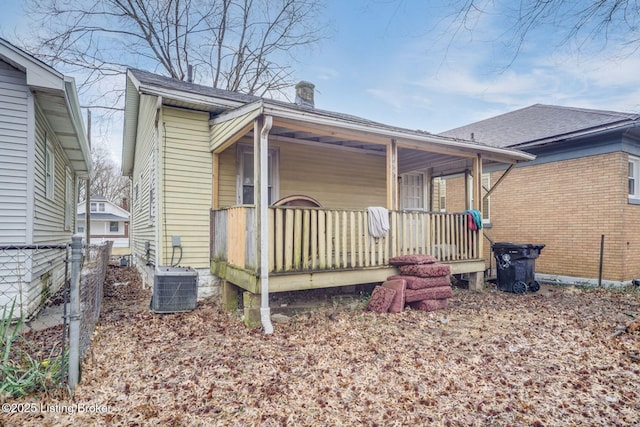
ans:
(412, 192)
(246, 177)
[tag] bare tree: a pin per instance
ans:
(106, 179)
(583, 23)
(238, 45)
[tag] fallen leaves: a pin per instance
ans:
(491, 358)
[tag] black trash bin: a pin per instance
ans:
(515, 265)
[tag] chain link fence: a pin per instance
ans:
(67, 281)
(94, 270)
(30, 275)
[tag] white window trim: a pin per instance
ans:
(274, 155)
(636, 177)
(403, 196)
(486, 213)
(49, 170)
(152, 189)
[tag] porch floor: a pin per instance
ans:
(319, 279)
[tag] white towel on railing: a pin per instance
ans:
(378, 221)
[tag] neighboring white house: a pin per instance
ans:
(43, 154)
(108, 222)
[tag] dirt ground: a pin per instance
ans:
(560, 357)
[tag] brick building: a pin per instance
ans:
(584, 184)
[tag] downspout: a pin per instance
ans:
(159, 256)
(265, 311)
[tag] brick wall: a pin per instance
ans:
(567, 205)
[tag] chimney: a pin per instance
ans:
(304, 94)
(190, 73)
(125, 204)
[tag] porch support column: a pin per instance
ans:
(477, 183)
(476, 279)
(262, 126)
(392, 175)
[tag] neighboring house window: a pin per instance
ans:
(246, 175)
(152, 189)
(486, 205)
(412, 191)
(68, 199)
(486, 202)
(93, 207)
(634, 177)
(113, 226)
(49, 170)
(80, 229)
(151, 204)
(100, 207)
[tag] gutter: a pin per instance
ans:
(568, 137)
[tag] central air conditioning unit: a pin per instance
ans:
(175, 289)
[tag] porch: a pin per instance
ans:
(311, 247)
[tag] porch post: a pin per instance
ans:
(392, 175)
(477, 195)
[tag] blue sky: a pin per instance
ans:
(397, 62)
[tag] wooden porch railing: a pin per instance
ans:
(315, 239)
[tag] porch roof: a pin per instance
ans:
(233, 114)
(297, 124)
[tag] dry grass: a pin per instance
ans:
(559, 357)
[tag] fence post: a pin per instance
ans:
(74, 311)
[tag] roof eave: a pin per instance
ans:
(504, 155)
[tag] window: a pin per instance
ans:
(93, 207)
(152, 188)
(412, 191)
(49, 170)
(113, 226)
(439, 194)
(68, 200)
(634, 177)
(246, 181)
(486, 205)
(486, 202)
(100, 207)
(81, 229)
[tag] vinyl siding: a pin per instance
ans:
(141, 229)
(13, 155)
(48, 218)
(42, 271)
(337, 178)
(187, 174)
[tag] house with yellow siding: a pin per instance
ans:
(263, 196)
